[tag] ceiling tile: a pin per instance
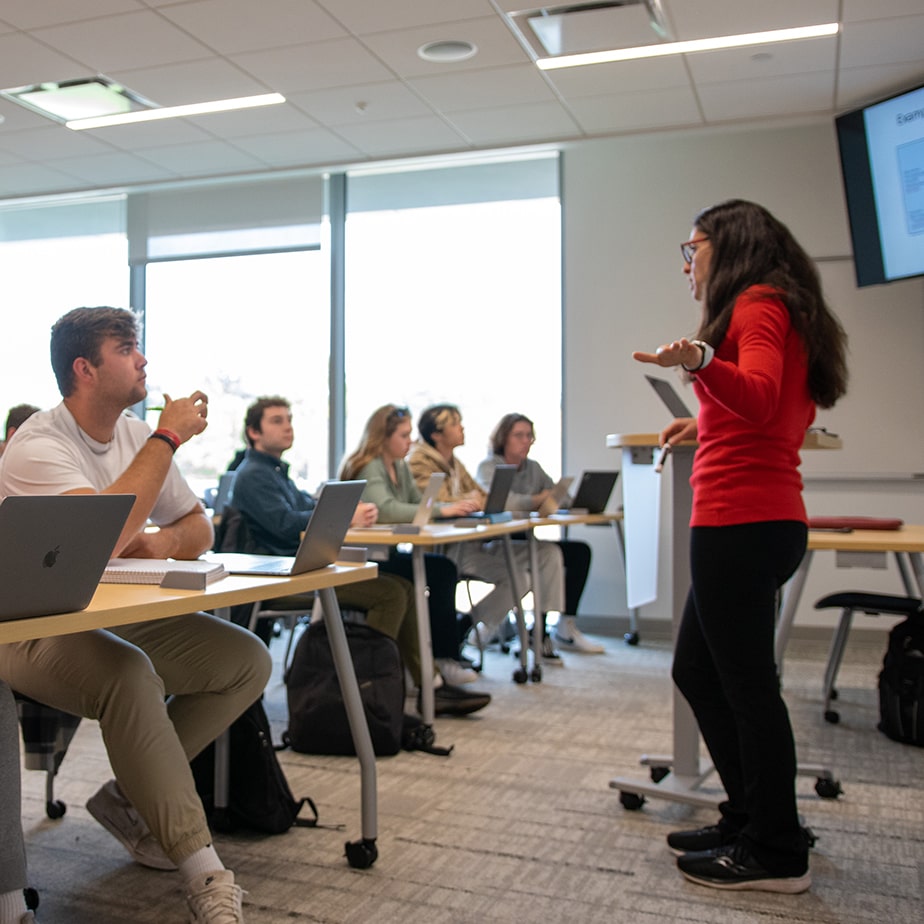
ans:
(230, 26)
(115, 170)
(298, 149)
(247, 122)
(512, 124)
(886, 41)
(764, 61)
(857, 10)
(130, 40)
(859, 86)
(189, 82)
(625, 112)
(364, 103)
(35, 179)
(24, 61)
(777, 96)
(30, 14)
(337, 63)
(204, 158)
(403, 136)
(700, 18)
(501, 86)
(139, 135)
(363, 17)
(620, 77)
(51, 143)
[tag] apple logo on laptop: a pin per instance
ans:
(51, 557)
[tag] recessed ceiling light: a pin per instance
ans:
(78, 99)
(448, 51)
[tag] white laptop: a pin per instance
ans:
(54, 548)
(321, 540)
(422, 515)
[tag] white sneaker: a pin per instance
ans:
(454, 673)
(570, 637)
(118, 816)
(215, 899)
(28, 918)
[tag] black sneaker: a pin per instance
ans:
(698, 839)
(734, 867)
(450, 700)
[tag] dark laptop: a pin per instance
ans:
(321, 541)
(672, 401)
(54, 548)
(593, 493)
(495, 505)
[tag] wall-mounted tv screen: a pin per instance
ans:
(882, 161)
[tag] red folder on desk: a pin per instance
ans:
(846, 523)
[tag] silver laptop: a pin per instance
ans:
(321, 540)
(672, 401)
(54, 548)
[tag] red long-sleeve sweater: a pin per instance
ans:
(754, 410)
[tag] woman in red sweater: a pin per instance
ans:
(767, 352)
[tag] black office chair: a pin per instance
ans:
(850, 602)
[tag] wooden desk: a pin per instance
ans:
(907, 544)
(431, 538)
(120, 604)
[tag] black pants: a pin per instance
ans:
(442, 578)
(724, 666)
(576, 555)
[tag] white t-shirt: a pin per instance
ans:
(50, 454)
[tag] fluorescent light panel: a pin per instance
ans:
(176, 112)
(681, 48)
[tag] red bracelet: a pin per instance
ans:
(168, 436)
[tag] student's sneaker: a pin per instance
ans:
(734, 867)
(455, 673)
(570, 637)
(28, 918)
(215, 899)
(118, 816)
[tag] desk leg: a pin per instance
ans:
(792, 593)
(361, 854)
(631, 636)
(538, 608)
(222, 748)
(520, 675)
(421, 594)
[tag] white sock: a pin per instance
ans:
(12, 907)
(200, 863)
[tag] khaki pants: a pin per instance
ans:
(161, 692)
(12, 854)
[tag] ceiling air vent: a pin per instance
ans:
(577, 28)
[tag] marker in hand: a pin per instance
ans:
(665, 452)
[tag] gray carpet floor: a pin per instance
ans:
(519, 824)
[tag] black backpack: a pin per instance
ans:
(259, 796)
(901, 683)
(317, 717)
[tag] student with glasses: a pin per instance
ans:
(441, 433)
(380, 461)
(510, 443)
(766, 352)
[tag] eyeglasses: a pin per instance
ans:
(522, 436)
(398, 413)
(689, 248)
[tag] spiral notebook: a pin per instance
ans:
(154, 570)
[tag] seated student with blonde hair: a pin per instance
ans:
(441, 432)
(510, 443)
(379, 460)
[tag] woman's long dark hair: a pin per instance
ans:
(750, 247)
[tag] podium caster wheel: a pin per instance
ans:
(631, 801)
(658, 773)
(55, 809)
(520, 675)
(631, 638)
(832, 716)
(536, 675)
(827, 788)
(361, 854)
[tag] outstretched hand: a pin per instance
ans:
(680, 352)
(186, 417)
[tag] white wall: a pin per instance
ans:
(628, 203)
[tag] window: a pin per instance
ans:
(457, 301)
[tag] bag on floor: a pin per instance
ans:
(317, 717)
(259, 797)
(901, 683)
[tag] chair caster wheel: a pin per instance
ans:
(832, 716)
(536, 675)
(828, 788)
(520, 675)
(361, 854)
(658, 773)
(833, 694)
(631, 638)
(631, 801)
(55, 809)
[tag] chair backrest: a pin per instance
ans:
(232, 534)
